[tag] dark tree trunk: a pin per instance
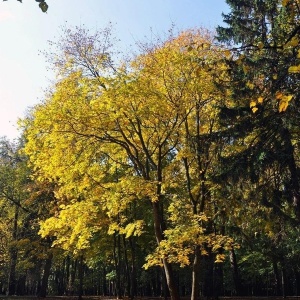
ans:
(12, 282)
(283, 282)
(127, 288)
(195, 274)
(208, 286)
(218, 280)
(277, 278)
(71, 280)
(80, 277)
(158, 227)
(235, 273)
(291, 162)
(297, 282)
(21, 285)
(133, 279)
(46, 274)
(104, 282)
(117, 258)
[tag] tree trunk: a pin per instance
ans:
(47, 268)
(133, 279)
(293, 170)
(158, 225)
(283, 282)
(297, 281)
(218, 280)
(208, 284)
(117, 258)
(104, 282)
(195, 274)
(72, 276)
(277, 277)
(80, 277)
(127, 288)
(13, 257)
(235, 273)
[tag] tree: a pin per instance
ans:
(262, 115)
(262, 64)
(118, 138)
(42, 4)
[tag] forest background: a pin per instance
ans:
(169, 171)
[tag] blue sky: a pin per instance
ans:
(25, 30)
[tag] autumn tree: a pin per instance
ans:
(134, 137)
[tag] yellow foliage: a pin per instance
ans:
(260, 100)
(220, 258)
(278, 95)
(284, 102)
(293, 42)
(285, 2)
(250, 85)
(260, 45)
(294, 69)
(227, 53)
(109, 150)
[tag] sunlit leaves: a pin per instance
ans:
(294, 69)
(284, 102)
(120, 143)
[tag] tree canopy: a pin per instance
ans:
(42, 4)
(173, 171)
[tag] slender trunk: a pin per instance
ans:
(297, 281)
(195, 274)
(277, 277)
(208, 285)
(158, 224)
(293, 170)
(13, 256)
(104, 285)
(235, 272)
(133, 284)
(218, 279)
(44, 283)
(284, 281)
(127, 271)
(72, 277)
(164, 287)
(80, 277)
(117, 253)
(21, 285)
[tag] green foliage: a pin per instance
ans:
(42, 4)
(183, 153)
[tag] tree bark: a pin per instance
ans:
(277, 277)
(235, 273)
(47, 268)
(195, 274)
(80, 277)
(293, 170)
(158, 225)
(13, 256)
(133, 284)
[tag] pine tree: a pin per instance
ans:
(265, 92)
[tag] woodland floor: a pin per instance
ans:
(138, 298)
